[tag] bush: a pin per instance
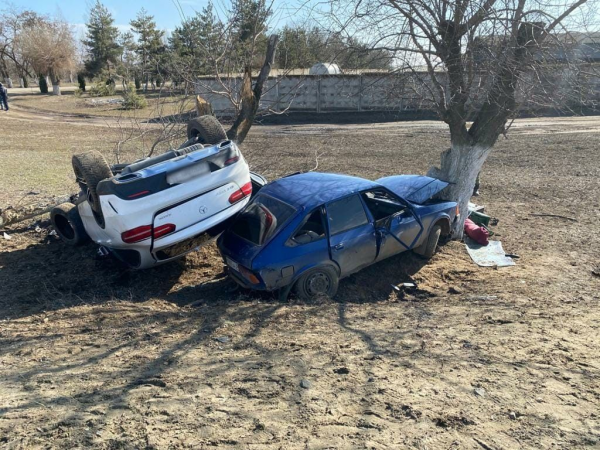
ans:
(100, 89)
(132, 100)
(43, 85)
(78, 92)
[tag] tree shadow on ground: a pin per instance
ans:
(47, 275)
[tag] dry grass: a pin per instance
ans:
(160, 104)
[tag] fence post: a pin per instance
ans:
(277, 81)
(360, 93)
(318, 94)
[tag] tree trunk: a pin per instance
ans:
(251, 97)
(460, 165)
(55, 84)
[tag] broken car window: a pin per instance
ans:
(261, 219)
(382, 204)
(346, 214)
(313, 229)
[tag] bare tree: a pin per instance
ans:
(475, 54)
(228, 52)
(12, 59)
(50, 47)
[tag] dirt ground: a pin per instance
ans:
(96, 356)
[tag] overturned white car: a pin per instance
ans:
(158, 209)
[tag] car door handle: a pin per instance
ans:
(339, 246)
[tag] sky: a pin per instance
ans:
(167, 13)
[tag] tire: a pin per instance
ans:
(90, 168)
(207, 129)
(427, 248)
(317, 282)
(68, 224)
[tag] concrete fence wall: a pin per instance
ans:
(318, 94)
(382, 92)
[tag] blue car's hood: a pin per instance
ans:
(414, 188)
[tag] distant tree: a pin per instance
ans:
(50, 46)
(127, 67)
(101, 42)
(197, 38)
(12, 58)
(302, 47)
(150, 45)
(248, 21)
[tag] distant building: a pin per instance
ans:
(325, 69)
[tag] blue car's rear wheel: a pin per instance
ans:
(322, 281)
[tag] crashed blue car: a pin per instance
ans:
(310, 230)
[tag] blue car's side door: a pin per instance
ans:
(396, 224)
(352, 237)
(406, 227)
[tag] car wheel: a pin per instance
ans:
(207, 129)
(316, 283)
(67, 222)
(427, 248)
(90, 168)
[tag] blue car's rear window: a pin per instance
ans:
(261, 219)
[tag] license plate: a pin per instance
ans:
(231, 263)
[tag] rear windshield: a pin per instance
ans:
(261, 219)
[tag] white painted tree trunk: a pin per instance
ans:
(56, 89)
(9, 83)
(460, 166)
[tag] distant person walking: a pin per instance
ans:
(3, 97)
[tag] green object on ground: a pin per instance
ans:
(480, 218)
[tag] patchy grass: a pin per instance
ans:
(160, 104)
(36, 155)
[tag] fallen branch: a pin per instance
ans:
(11, 216)
(554, 215)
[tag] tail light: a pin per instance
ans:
(145, 231)
(245, 191)
(249, 275)
(163, 230)
(268, 223)
(138, 194)
(230, 161)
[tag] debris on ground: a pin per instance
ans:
(479, 392)
(556, 216)
(305, 384)
(478, 233)
(491, 255)
(7, 237)
(222, 339)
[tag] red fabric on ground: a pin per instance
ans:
(477, 233)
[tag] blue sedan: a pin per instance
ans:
(310, 230)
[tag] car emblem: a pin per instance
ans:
(202, 209)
